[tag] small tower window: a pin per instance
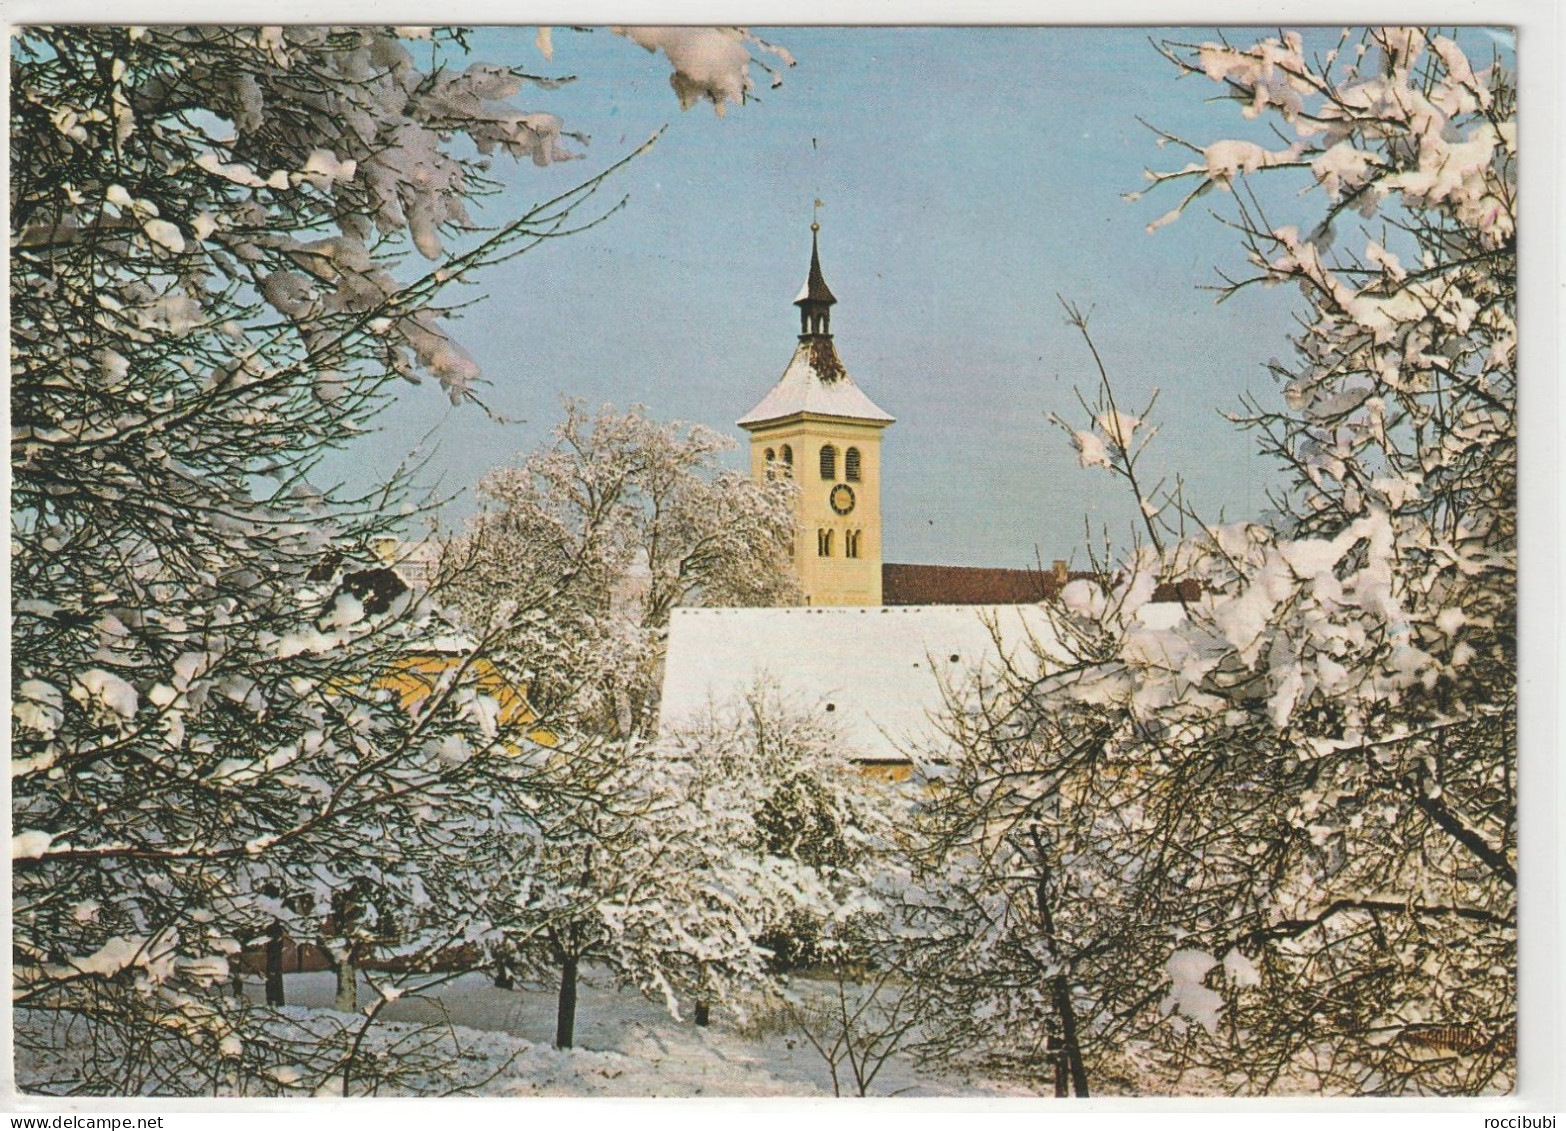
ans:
(851, 544)
(788, 462)
(851, 465)
(828, 462)
(823, 543)
(771, 458)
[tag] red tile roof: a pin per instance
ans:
(1188, 590)
(963, 585)
(984, 585)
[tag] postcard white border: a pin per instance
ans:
(1542, 517)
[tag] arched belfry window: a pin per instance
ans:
(828, 462)
(851, 465)
(823, 543)
(788, 461)
(770, 458)
(851, 544)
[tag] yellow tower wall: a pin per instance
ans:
(833, 579)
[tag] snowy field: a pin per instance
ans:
(627, 1046)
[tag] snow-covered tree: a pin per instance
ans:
(614, 871)
(788, 794)
(579, 554)
(670, 866)
(211, 288)
(1266, 842)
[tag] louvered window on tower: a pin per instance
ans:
(771, 458)
(829, 462)
(851, 544)
(824, 543)
(788, 461)
(851, 465)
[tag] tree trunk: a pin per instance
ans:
(347, 985)
(1071, 1047)
(1058, 1054)
(565, 1015)
(703, 1014)
(274, 966)
(1069, 1058)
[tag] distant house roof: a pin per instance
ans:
(1188, 590)
(815, 382)
(964, 585)
(877, 673)
(375, 588)
(984, 585)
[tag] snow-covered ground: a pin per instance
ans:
(626, 1046)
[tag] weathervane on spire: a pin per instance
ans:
(815, 214)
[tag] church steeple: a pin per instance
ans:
(815, 299)
(818, 428)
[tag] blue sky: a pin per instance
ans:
(969, 176)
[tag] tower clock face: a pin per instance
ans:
(842, 498)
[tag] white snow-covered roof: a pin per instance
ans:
(803, 389)
(877, 673)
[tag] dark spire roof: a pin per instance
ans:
(815, 298)
(816, 289)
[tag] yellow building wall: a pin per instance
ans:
(415, 677)
(834, 579)
(896, 773)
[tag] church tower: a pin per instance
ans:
(819, 428)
